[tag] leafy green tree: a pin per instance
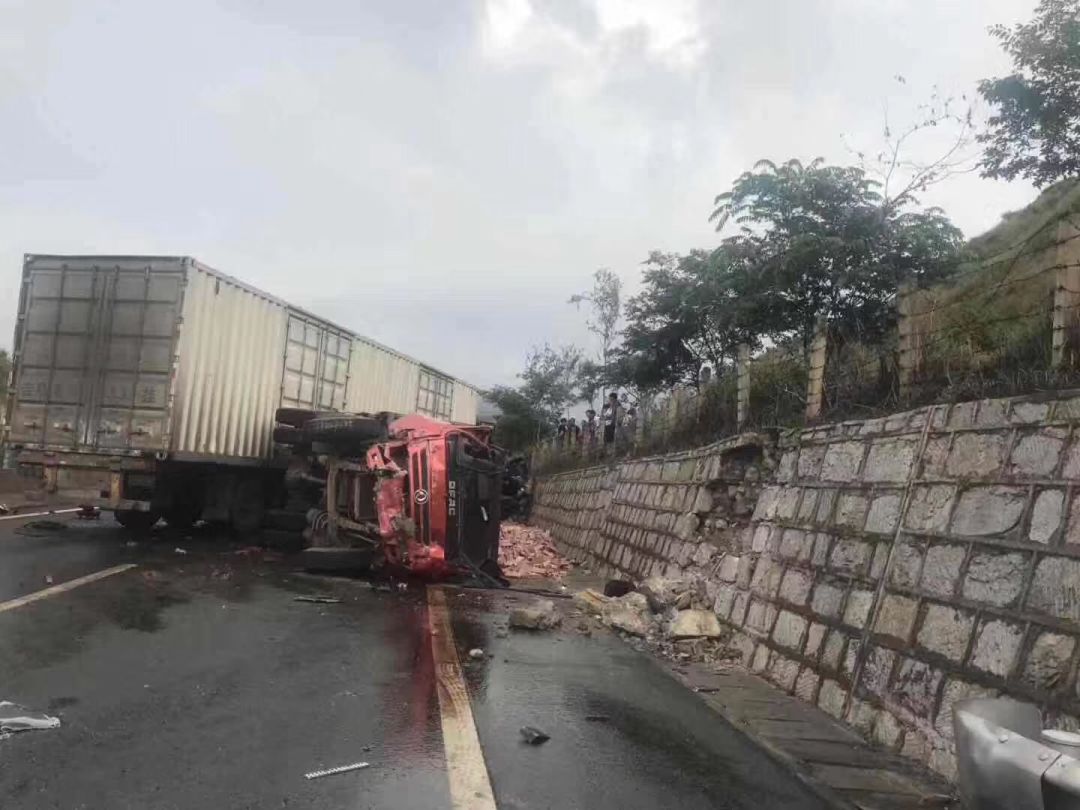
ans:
(605, 300)
(820, 242)
(1034, 132)
(520, 423)
(549, 380)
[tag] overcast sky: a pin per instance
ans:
(443, 175)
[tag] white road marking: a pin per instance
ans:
(53, 590)
(39, 514)
(470, 787)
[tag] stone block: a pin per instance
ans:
(738, 609)
(916, 746)
(833, 650)
(783, 671)
(896, 618)
(942, 569)
(831, 698)
(850, 556)
(729, 568)
(884, 514)
(861, 716)
(795, 586)
(1047, 663)
(858, 607)
(877, 671)
(789, 630)
(996, 646)
(686, 527)
(956, 689)
(827, 599)
(1071, 468)
(759, 617)
(996, 579)
(806, 685)
(724, 600)
(761, 538)
(935, 455)
(976, 455)
(890, 460)
(814, 636)
(1067, 409)
(810, 458)
(785, 470)
(808, 506)
(850, 656)
(820, 554)
(851, 510)
(915, 686)
(704, 554)
(842, 461)
(879, 561)
(1028, 413)
(826, 499)
(1046, 515)
(1072, 530)
(1037, 454)
(886, 731)
(746, 567)
(787, 502)
(992, 413)
(766, 580)
(907, 563)
(990, 510)
(703, 501)
(946, 631)
(928, 509)
(791, 543)
(760, 661)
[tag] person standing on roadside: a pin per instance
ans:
(591, 426)
(610, 415)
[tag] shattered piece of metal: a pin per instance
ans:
(340, 769)
(597, 718)
(476, 654)
(534, 736)
(319, 600)
(14, 717)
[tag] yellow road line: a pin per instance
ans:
(470, 788)
(53, 590)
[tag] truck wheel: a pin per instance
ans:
(345, 429)
(246, 514)
(136, 521)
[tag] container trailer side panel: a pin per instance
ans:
(380, 380)
(228, 382)
(466, 402)
(317, 357)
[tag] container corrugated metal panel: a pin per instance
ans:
(466, 403)
(228, 382)
(380, 380)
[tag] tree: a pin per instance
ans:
(1035, 131)
(821, 243)
(549, 380)
(520, 423)
(605, 300)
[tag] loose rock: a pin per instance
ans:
(696, 624)
(541, 615)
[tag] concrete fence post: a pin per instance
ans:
(1066, 338)
(815, 386)
(742, 377)
(909, 356)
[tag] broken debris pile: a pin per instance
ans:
(14, 717)
(525, 551)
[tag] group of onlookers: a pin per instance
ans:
(615, 424)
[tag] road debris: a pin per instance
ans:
(14, 717)
(629, 613)
(4, 509)
(540, 615)
(88, 512)
(590, 601)
(618, 587)
(340, 769)
(179, 550)
(526, 551)
(695, 624)
(534, 736)
(319, 600)
(476, 654)
(597, 718)
(48, 579)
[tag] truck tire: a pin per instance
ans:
(247, 508)
(330, 429)
(287, 520)
(294, 417)
(136, 521)
(287, 434)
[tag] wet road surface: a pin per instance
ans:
(197, 681)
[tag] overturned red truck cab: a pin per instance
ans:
(425, 499)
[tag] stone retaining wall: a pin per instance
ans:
(882, 569)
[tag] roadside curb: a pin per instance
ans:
(834, 762)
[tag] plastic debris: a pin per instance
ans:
(4, 509)
(525, 551)
(476, 653)
(14, 717)
(319, 600)
(48, 579)
(179, 550)
(534, 736)
(340, 769)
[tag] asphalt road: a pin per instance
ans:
(196, 680)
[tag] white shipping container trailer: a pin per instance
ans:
(155, 380)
